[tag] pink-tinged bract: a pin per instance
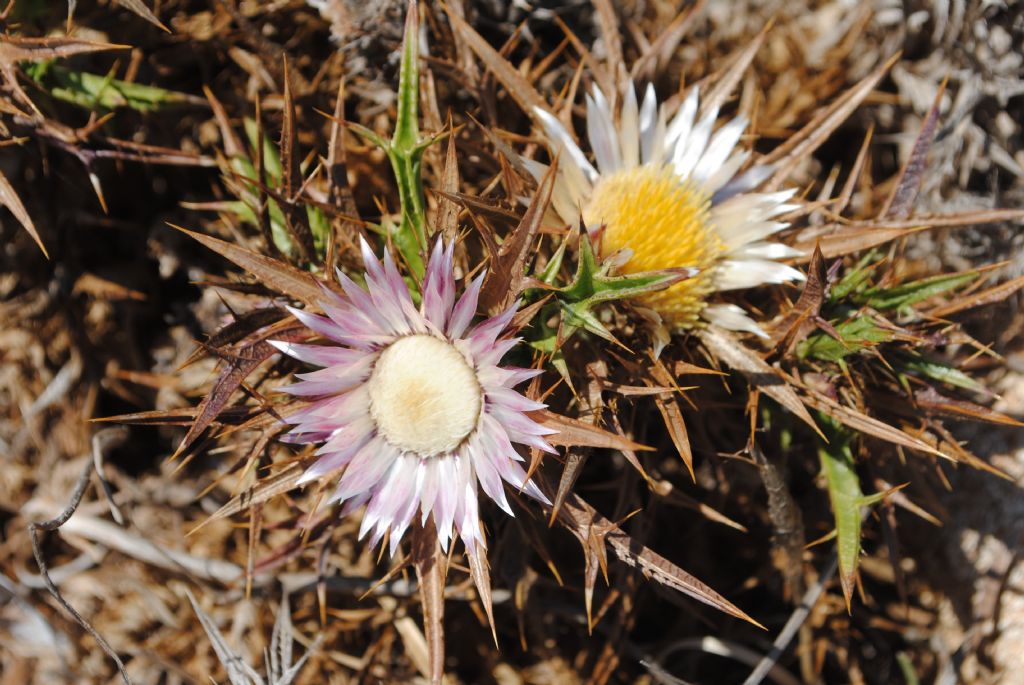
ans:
(411, 407)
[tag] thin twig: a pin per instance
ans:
(104, 440)
(792, 625)
(719, 647)
(54, 524)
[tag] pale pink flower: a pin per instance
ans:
(411, 405)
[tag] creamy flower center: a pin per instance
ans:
(424, 397)
(665, 221)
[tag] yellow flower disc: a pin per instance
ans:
(665, 222)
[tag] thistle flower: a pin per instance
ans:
(411, 405)
(669, 194)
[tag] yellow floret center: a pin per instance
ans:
(424, 396)
(664, 220)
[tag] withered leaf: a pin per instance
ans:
(725, 82)
(232, 145)
(140, 9)
(489, 209)
(505, 277)
(183, 416)
(243, 325)
(672, 495)
(338, 190)
(811, 136)
(481, 575)
(265, 490)
(574, 462)
(518, 87)
(295, 217)
(858, 421)
(901, 203)
(737, 356)
(238, 368)
(611, 34)
(429, 563)
(576, 433)
(672, 415)
(273, 273)
(933, 400)
(587, 524)
(662, 49)
(290, 181)
(855, 239)
(987, 296)
(10, 199)
(800, 320)
(506, 150)
(15, 49)
(447, 210)
(846, 194)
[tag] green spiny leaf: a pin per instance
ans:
(587, 270)
(546, 340)
(592, 284)
(550, 273)
(903, 296)
(320, 226)
(406, 151)
(271, 159)
(856, 334)
(96, 92)
(578, 315)
(855, 279)
(845, 495)
(912, 362)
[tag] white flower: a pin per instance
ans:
(671, 194)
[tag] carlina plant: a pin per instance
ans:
(636, 288)
(453, 364)
(413, 411)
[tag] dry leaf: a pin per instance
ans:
(989, 296)
(429, 561)
(900, 204)
(140, 9)
(672, 415)
(273, 273)
(518, 87)
(734, 354)
(504, 279)
(801, 319)
(10, 199)
(817, 131)
(858, 421)
(587, 524)
(576, 433)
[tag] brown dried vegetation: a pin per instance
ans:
(193, 557)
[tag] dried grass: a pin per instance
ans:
(188, 587)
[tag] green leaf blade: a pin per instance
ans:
(846, 497)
